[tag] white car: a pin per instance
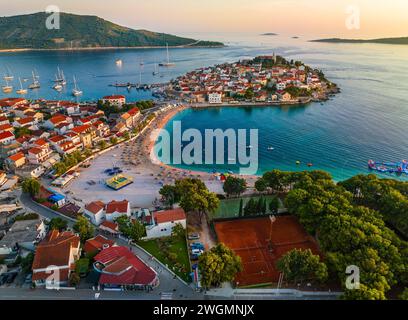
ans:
(197, 252)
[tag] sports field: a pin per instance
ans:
(229, 208)
(261, 243)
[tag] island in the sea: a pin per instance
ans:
(400, 40)
(29, 32)
(269, 34)
(264, 80)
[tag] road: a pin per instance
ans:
(82, 294)
(168, 283)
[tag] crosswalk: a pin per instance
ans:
(167, 296)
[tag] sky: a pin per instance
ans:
(342, 18)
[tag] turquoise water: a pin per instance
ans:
(368, 120)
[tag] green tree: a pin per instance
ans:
(251, 208)
(219, 265)
(196, 198)
(126, 135)
(274, 205)
(404, 294)
(113, 140)
(74, 279)
(170, 195)
(241, 208)
(302, 265)
(178, 231)
(27, 263)
(31, 186)
(102, 144)
(22, 131)
(60, 168)
(234, 186)
(261, 185)
(132, 229)
(84, 228)
(57, 224)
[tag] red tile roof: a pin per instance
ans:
(97, 244)
(6, 135)
(122, 267)
(17, 156)
(95, 206)
(114, 97)
(117, 206)
(81, 129)
(24, 121)
(5, 127)
(111, 226)
(54, 250)
(169, 215)
(35, 150)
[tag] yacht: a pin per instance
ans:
(271, 148)
(7, 88)
(36, 83)
(21, 90)
(119, 62)
(168, 63)
(76, 92)
(8, 76)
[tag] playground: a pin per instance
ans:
(261, 242)
(119, 182)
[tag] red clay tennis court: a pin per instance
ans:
(261, 243)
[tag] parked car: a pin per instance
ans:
(197, 246)
(197, 251)
(193, 236)
(194, 257)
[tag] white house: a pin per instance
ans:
(163, 223)
(281, 86)
(115, 100)
(215, 98)
(116, 209)
(95, 211)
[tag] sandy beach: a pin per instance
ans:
(136, 158)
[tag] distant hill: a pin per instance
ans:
(77, 31)
(401, 40)
(269, 34)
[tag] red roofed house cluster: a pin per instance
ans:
(120, 268)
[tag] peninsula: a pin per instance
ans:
(264, 80)
(29, 32)
(400, 40)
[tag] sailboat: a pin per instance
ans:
(60, 78)
(168, 63)
(7, 88)
(36, 83)
(8, 76)
(156, 70)
(76, 92)
(119, 62)
(21, 90)
(57, 85)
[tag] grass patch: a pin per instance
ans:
(171, 251)
(229, 208)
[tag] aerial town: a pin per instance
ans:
(84, 206)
